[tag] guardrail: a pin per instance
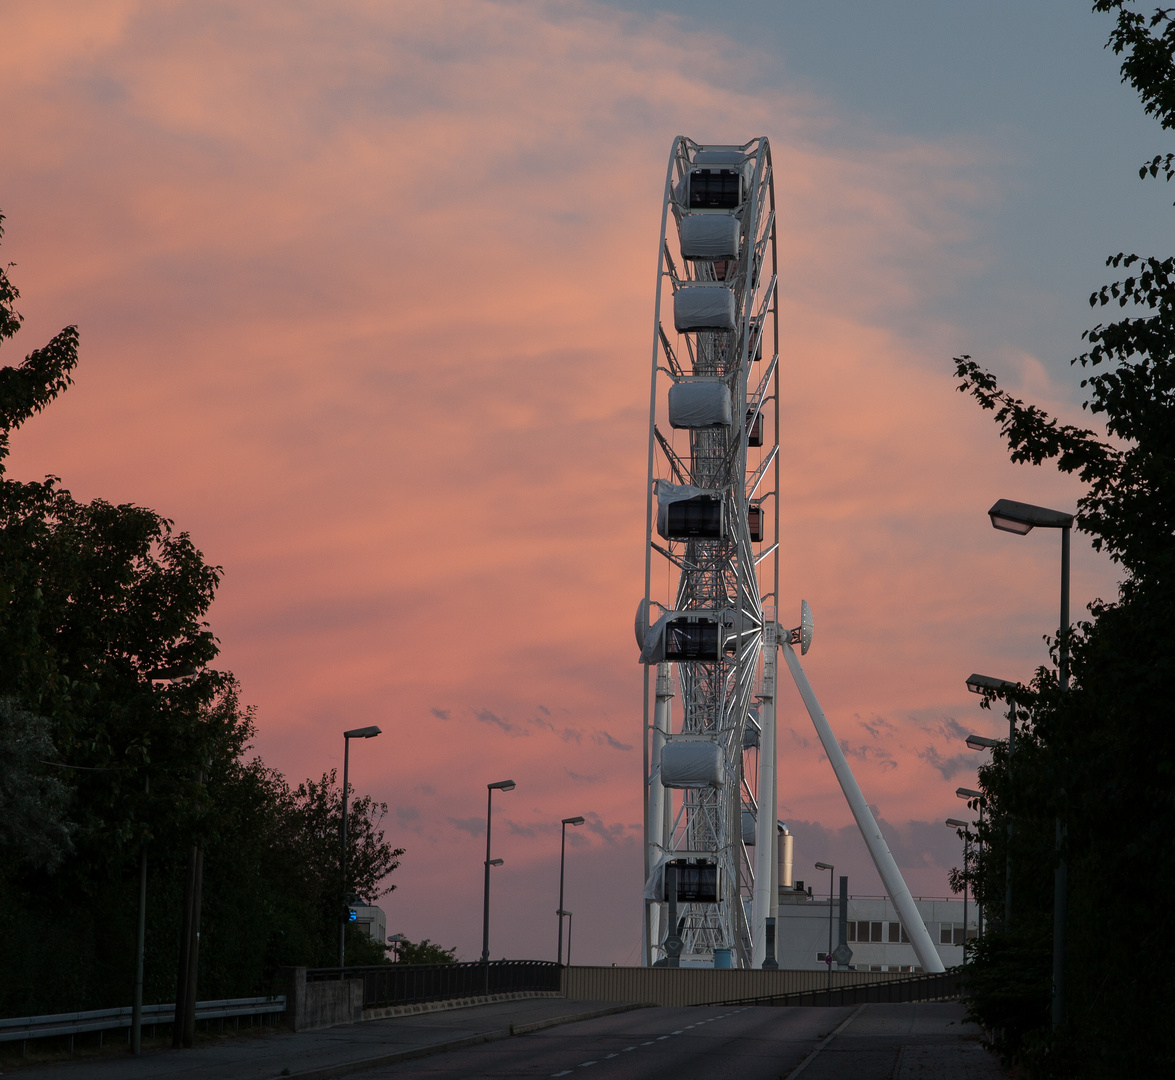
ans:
(941, 986)
(407, 984)
(53, 1025)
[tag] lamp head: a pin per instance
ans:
(1021, 518)
(968, 793)
(496, 862)
(981, 742)
(955, 823)
(824, 866)
(573, 821)
(361, 733)
(502, 785)
(395, 939)
(989, 684)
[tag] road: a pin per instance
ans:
(872, 1042)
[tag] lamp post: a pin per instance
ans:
(562, 855)
(501, 785)
(1022, 518)
(956, 824)
(396, 941)
(354, 733)
(828, 955)
(989, 684)
(978, 796)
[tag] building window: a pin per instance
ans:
(952, 933)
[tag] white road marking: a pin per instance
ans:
(677, 1033)
(660, 1037)
(565, 1072)
(611, 1055)
(649, 1043)
(627, 1048)
(584, 1064)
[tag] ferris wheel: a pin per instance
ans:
(712, 561)
(707, 625)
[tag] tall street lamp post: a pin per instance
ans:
(562, 857)
(354, 733)
(501, 785)
(828, 955)
(965, 826)
(970, 794)
(989, 684)
(1022, 518)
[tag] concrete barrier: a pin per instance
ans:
(702, 986)
(322, 1003)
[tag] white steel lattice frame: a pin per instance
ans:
(732, 577)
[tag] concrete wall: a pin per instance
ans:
(320, 1004)
(700, 986)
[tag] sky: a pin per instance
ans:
(365, 301)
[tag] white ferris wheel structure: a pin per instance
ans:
(707, 625)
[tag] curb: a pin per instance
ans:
(328, 1072)
(386, 1012)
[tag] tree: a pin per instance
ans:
(424, 952)
(1100, 755)
(33, 823)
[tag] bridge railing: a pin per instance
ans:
(940, 986)
(52, 1025)
(408, 984)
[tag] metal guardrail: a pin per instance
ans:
(22, 1028)
(407, 984)
(941, 986)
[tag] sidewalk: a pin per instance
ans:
(317, 1055)
(915, 1041)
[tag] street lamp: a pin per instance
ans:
(396, 941)
(562, 853)
(828, 955)
(1023, 518)
(501, 785)
(989, 684)
(956, 824)
(981, 742)
(354, 733)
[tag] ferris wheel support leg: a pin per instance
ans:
(883, 859)
(761, 905)
(655, 841)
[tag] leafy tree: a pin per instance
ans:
(424, 952)
(1101, 754)
(33, 825)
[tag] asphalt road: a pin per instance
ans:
(715, 1043)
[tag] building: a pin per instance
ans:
(371, 920)
(872, 931)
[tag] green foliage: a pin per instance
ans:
(1100, 754)
(105, 674)
(424, 952)
(33, 823)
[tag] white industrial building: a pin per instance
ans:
(371, 920)
(873, 931)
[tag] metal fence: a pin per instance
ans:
(407, 984)
(942, 986)
(54, 1025)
